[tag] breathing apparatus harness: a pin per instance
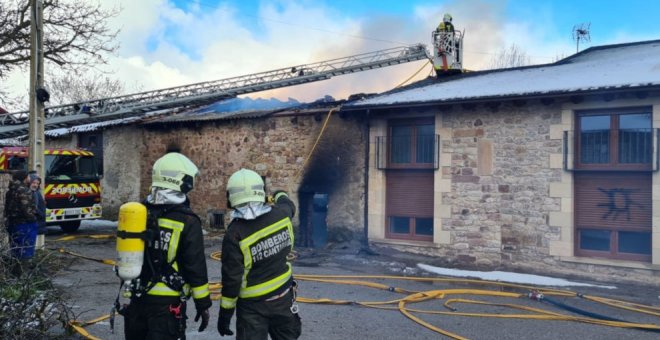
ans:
(160, 270)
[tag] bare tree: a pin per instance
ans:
(75, 33)
(513, 56)
(9, 100)
(75, 87)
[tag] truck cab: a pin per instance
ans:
(72, 187)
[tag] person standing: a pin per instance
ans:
(446, 25)
(257, 279)
(174, 263)
(40, 205)
(20, 219)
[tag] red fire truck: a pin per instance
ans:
(72, 185)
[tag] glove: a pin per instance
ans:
(279, 193)
(224, 320)
(204, 314)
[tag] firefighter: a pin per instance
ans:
(174, 265)
(446, 26)
(257, 280)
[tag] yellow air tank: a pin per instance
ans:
(130, 247)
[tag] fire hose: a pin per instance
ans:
(402, 304)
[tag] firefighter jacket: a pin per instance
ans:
(175, 265)
(445, 27)
(254, 256)
(19, 204)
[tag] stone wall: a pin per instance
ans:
(499, 213)
(123, 150)
(496, 201)
(276, 147)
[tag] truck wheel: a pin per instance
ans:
(70, 226)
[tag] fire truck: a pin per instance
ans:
(71, 185)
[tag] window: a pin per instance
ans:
(613, 198)
(66, 167)
(409, 204)
(613, 214)
(94, 143)
(615, 140)
(410, 144)
(18, 163)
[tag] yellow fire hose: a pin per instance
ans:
(73, 237)
(401, 304)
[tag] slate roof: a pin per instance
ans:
(609, 67)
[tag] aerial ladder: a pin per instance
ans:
(16, 123)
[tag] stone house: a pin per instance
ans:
(547, 168)
(277, 144)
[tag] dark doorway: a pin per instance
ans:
(313, 219)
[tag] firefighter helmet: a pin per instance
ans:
(174, 171)
(245, 186)
(447, 17)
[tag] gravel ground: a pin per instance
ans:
(91, 288)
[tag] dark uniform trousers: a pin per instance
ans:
(258, 319)
(154, 321)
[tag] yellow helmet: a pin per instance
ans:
(174, 171)
(245, 186)
(447, 17)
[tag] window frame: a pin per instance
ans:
(614, 252)
(411, 235)
(613, 138)
(414, 123)
(613, 166)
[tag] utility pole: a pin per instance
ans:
(38, 95)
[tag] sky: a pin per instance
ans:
(166, 43)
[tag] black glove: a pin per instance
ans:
(204, 314)
(278, 193)
(224, 320)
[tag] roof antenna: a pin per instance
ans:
(581, 32)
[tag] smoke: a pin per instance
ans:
(164, 46)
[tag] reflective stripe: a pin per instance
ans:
(228, 303)
(271, 285)
(235, 190)
(176, 228)
(201, 291)
(250, 240)
(266, 287)
(161, 289)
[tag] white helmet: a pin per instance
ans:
(447, 17)
(174, 171)
(245, 186)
